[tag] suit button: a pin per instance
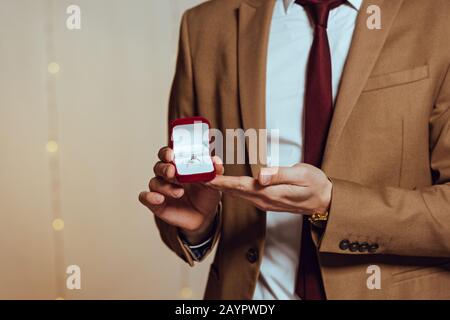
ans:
(344, 245)
(373, 248)
(364, 247)
(252, 255)
(354, 246)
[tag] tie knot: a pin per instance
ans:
(319, 10)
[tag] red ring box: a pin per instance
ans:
(189, 139)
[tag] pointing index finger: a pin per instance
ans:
(234, 184)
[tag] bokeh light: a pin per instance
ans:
(58, 224)
(53, 68)
(52, 146)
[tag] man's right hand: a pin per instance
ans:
(190, 207)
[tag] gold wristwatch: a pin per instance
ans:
(319, 220)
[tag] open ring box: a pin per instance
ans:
(189, 139)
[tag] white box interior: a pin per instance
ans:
(191, 149)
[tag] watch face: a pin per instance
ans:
(191, 149)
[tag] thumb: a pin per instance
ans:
(218, 165)
(279, 175)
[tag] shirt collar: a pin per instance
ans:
(355, 4)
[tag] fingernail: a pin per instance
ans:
(265, 179)
(178, 193)
(218, 160)
(159, 198)
(267, 174)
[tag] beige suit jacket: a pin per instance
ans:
(388, 151)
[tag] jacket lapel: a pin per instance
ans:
(365, 50)
(255, 18)
(254, 27)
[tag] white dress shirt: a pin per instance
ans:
(290, 41)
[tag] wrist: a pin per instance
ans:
(320, 217)
(195, 237)
(325, 198)
(328, 195)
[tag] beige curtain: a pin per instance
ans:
(100, 93)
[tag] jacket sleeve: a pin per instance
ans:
(182, 104)
(401, 222)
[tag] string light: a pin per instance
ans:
(58, 224)
(53, 68)
(186, 293)
(52, 146)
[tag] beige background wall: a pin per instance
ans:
(106, 109)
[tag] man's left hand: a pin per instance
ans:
(301, 189)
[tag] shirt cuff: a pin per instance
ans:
(199, 251)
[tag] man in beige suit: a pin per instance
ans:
(383, 189)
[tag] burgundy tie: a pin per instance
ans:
(318, 115)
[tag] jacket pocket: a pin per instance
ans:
(397, 78)
(429, 283)
(421, 272)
